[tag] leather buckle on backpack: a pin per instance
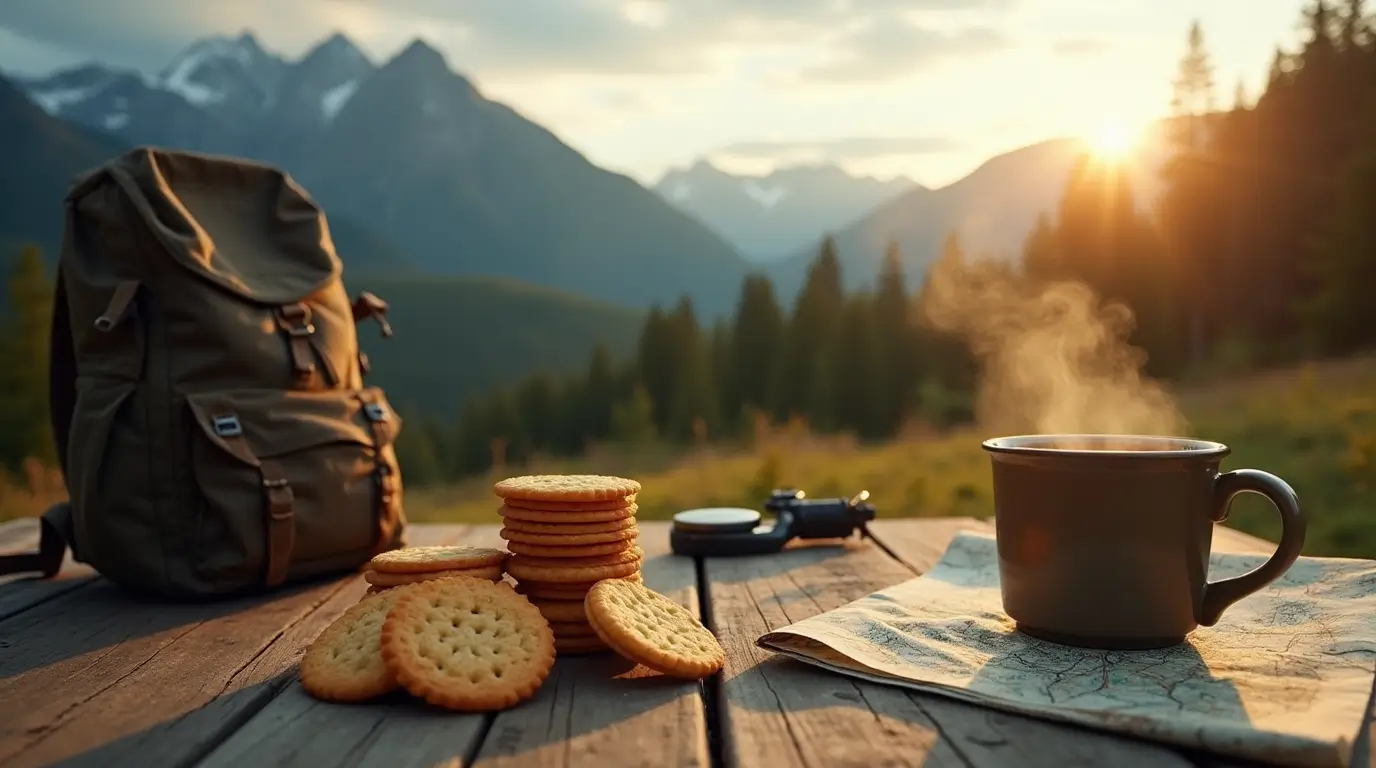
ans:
(295, 319)
(280, 498)
(227, 426)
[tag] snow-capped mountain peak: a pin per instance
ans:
(220, 70)
(772, 215)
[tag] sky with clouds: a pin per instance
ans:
(925, 88)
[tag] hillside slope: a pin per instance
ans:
(458, 336)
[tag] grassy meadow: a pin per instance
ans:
(1314, 425)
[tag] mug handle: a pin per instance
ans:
(1218, 595)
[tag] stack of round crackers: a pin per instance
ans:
(566, 533)
(416, 564)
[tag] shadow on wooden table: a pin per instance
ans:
(100, 615)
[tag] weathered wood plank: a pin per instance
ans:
(295, 729)
(600, 711)
(99, 677)
(20, 592)
(779, 712)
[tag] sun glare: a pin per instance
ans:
(1113, 140)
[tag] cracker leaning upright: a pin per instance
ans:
(650, 629)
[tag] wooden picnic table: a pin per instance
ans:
(92, 676)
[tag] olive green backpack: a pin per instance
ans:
(207, 390)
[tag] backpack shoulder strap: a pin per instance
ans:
(55, 530)
(61, 372)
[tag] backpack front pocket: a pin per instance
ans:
(291, 484)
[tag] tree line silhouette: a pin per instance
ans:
(1260, 250)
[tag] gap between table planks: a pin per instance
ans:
(777, 712)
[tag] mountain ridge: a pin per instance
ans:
(461, 183)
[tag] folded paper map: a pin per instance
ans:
(1285, 677)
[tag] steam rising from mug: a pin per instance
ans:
(1053, 357)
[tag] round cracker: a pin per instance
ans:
(381, 579)
(650, 629)
(561, 610)
(632, 555)
(567, 529)
(510, 512)
(344, 662)
(570, 550)
(543, 505)
(437, 558)
(569, 540)
(566, 488)
(467, 645)
(571, 573)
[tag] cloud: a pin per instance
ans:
(891, 48)
(1080, 46)
(849, 148)
(621, 37)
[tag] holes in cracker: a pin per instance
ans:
(471, 639)
(661, 622)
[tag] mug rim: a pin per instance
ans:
(1034, 445)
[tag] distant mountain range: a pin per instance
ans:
(414, 153)
(770, 217)
(419, 172)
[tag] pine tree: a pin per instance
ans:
(851, 379)
(1189, 178)
(896, 344)
(655, 361)
(1041, 258)
(756, 346)
(945, 354)
(694, 392)
(24, 428)
(809, 331)
(1192, 91)
(719, 362)
(1240, 99)
(600, 395)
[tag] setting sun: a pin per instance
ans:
(1113, 140)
